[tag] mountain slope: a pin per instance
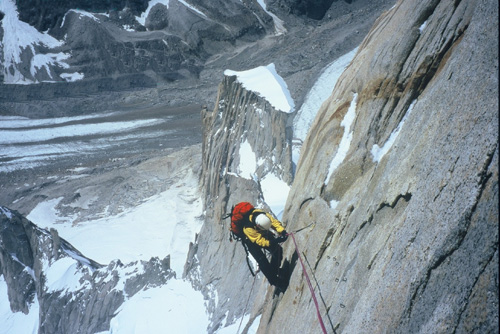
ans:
(399, 173)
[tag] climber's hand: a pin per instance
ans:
(281, 239)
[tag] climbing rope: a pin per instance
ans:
(309, 283)
(245, 309)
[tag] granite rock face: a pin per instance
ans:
(399, 172)
(243, 130)
(74, 293)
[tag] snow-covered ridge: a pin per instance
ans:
(267, 83)
(18, 38)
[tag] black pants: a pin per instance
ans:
(269, 269)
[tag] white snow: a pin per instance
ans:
(275, 192)
(62, 275)
(72, 77)
(172, 308)
(279, 25)
(6, 212)
(379, 152)
(164, 224)
(248, 161)
(345, 142)
(422, 27)
(267, 83)
(19, 36)
(240, 323)
(13, 323)
(38, 135)
(142, 19)
(320, 91)
(192, 7)
(84, 14)
(274, 189)
(12, 122)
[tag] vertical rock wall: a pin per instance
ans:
(243, 130)
(400, 173)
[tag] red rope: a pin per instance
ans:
(309, 283)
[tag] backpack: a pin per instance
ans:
(240, 215)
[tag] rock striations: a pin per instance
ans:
(246, 142)
(399, 172)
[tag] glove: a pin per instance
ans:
(281, 239)
(273, 242)
(284, 234)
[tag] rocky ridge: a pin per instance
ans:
(241, 118)
(80, 300)
(399, 173)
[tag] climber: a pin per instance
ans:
(259, 232)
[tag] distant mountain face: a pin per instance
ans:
(45, 15)
(313, 9)
(183, 45)
(168, 41)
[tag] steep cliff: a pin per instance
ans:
(399, 173)
(246, 151)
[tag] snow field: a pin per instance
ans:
(164, 224)
(172, 308)
(14, 323)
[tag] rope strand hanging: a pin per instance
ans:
(309, 284)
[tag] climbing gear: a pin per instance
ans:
(313, 224)
(309, 283)
(319, 291)
(240, 214)
(263, 222)
(280, 239)
(245, 309)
